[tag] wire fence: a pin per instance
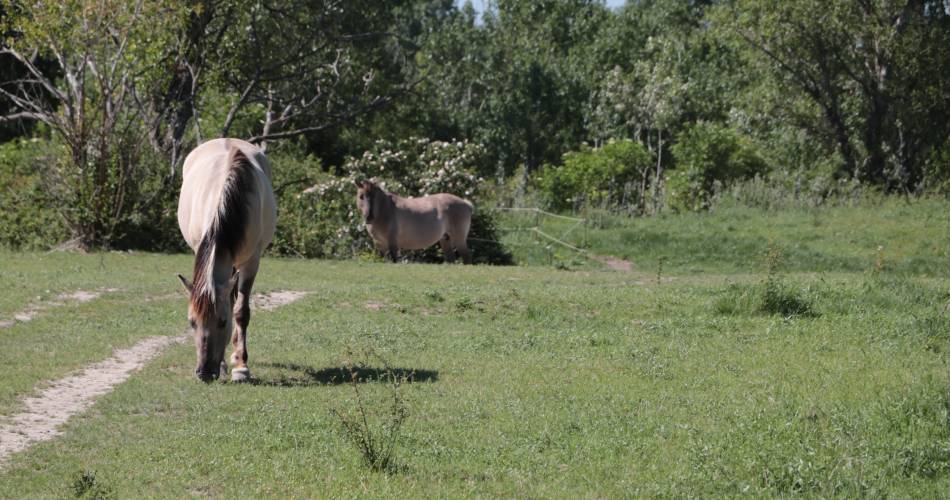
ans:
(534, 224)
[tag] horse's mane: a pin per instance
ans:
(226, 232)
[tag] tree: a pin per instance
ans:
(518, 82)
(878, 71)
(104, 53)
(300, 67)
(124, 71)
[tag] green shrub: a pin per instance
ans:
(28, 220)
(301, 225)
(610, 176)
(773, 296)
(937, 171)
(45, 203)
(86, 485)
(784, 300)
(707, 153)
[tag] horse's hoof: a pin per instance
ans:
(242, 374)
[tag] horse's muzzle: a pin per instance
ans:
(206, 376)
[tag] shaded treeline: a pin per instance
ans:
(118, 91)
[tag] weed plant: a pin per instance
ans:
(375, 431)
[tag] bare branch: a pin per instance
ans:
(40, 78)
(232, 113)
(23, 115)
(376, 103)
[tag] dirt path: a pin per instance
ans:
(34, 309)
(614, 263)
(44, 413)
(52, 407)
(272, 300)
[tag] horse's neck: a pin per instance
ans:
(385, 206)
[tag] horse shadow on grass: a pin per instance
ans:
(305, 376)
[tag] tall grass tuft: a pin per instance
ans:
(772, 296)
(777, 296)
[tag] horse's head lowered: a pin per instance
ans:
(367, 199)
(209, 317)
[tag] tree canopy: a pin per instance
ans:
(852, 90)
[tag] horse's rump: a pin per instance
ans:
(226, 198)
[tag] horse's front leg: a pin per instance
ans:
(391, 244)
(242, 316)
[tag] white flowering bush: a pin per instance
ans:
(419, 166)
(323, 221)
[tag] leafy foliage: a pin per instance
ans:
(27, 220)
(707, 154)
(713, 91)
(863, 69)
(614, 175)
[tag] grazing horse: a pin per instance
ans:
(227, 215)
(397, 223)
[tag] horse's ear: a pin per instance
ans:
(359, 184)
(184, 281)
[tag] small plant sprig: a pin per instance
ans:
(85, 485)
(659, 270)
(777, 297)
(375, 435)
(879, 263)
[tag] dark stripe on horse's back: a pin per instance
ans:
(233, 211)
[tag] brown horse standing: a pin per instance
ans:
(397, 223)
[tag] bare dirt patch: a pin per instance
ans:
(45, 412)
(614, 263)
(374, 305)
(272, 300)
(34, 309)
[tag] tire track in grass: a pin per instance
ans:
(44, 413)
(34, 309)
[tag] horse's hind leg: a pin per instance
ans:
(448, 254)
(242, 316)
(459, 237)
(393, 253)
(465, 252)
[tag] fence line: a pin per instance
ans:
(536, 229)
(538, 210)
(552, 238)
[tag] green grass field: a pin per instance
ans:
(915, 239)
(529, 381)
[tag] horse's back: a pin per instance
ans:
(425, 220)
(203, 178)
(455, 205)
